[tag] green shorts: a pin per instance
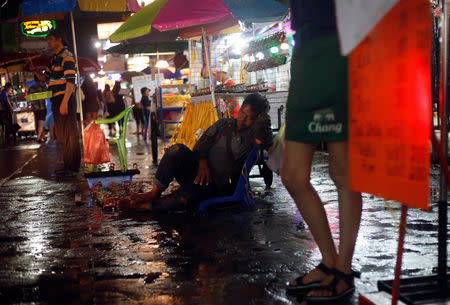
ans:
(317, 104)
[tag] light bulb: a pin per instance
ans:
(284, 46)
(162, 64)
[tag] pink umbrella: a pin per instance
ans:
(164, 15)
(178, 14)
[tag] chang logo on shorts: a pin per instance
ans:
(324, 122)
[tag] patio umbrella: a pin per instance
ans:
(37, 7)
(13, 58)
(137, 48)
(164, 15)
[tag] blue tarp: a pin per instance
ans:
(38, 7)
(256, 10)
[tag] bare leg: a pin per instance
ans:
(52, 133)
(350, 206)
(295, 175)
(40, 134)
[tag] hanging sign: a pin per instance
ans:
(390, 100)
(37, 28)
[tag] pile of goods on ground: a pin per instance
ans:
(111, 195)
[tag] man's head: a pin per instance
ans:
(7, 87)
(145, 91)
(254, 106)
(55, 41)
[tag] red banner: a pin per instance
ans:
(390, 107)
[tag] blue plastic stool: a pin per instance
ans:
(243, 193)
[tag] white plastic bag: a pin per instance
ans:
(276, 151)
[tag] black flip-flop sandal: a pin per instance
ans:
(338, 275)
(299, 287)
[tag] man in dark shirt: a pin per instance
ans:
(39, 109)
(61, 81)
(6, 114)
(214, 166)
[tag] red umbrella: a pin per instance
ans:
(86, 66)
(10, 58)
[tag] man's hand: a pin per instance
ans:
(203, 173)
(63, 109)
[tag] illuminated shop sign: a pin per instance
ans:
(37, 28)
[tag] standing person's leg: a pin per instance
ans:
(56, 102)
(350, 207)
(67, 134)
(40, 134)
(73, 149)
(295, 174)
(146, 122)
(136, 119)
(51, 129)
(154, 137)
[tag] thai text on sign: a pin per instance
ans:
(390, 106)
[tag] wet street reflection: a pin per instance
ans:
(57, 252)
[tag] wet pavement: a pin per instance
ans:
(53, 251)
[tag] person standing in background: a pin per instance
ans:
(108, 101)
(39, 109)
(138, 114)
(118, 106)
(61, 76)
(91, 103)
(154, 128)
(145, 102)
(6, 114)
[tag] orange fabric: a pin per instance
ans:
(95, 145)
(390, 100)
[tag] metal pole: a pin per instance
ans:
(78, 92)
(211, 85)
(443, 190)
(191, 59)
